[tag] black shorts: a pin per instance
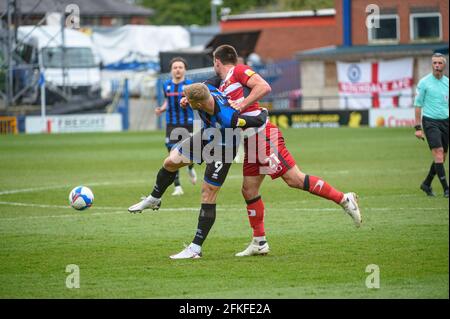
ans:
(177, 133)
(217, 155)
(436, 132)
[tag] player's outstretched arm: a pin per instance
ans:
(246, 121)
(160, 110)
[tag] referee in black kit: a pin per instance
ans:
(431, 104)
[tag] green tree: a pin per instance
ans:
(182, 12)
(305, 4)
(179, 12)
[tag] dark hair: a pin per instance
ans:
(226, 54)
(178, 59)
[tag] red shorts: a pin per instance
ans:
(266, 153)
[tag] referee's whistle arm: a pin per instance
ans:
(419, 135)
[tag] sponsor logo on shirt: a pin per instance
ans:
(249, 72)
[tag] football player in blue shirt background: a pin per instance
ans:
(177, 116)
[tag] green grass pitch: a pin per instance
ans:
(315, 250)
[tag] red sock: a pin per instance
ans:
(319, 187)
(255, 209)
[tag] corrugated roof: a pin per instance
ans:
(244, 41)
(87, 7)
(369, 51)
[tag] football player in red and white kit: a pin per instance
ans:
(244, 87)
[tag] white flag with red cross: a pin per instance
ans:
(379, 84)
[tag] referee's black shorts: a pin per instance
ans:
(436, 132)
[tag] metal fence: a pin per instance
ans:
(283, 77)
(196, 75)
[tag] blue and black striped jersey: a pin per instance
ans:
(175, 114)
(224, 115)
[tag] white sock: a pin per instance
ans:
(259, 239)
(195, 248)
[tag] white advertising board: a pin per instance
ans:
(74, 123)
(392, 117)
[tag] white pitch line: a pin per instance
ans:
(118, 210)
(361, 197)
(51, 206)
(223, 207)
(366, 209)
(43, 188)
(57, 216)
(77, 214)
(34, 205)
(96, 207)
(27, 190)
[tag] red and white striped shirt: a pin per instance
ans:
(234, 86)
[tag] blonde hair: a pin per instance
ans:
(197, 92)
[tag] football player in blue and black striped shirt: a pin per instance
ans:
(177, 116)
(221, 122)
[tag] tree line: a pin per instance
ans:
(198, 12)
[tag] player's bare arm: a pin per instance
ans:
(259, 88)
(160, 110)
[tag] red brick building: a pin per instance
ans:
(414, 28)
(285, 33)
(404, 16)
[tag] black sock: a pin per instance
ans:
(440, 170)
(176, 182)
(430, 175)
(191, 166)
(306, 183)
(163, 180)
(206, 220)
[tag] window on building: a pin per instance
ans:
(75, 57)
(425, 26)
(120, 21)
(89, 21)
(388, 31)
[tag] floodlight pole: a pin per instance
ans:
(63, 53)
(43, 105)
(214, 5)
(10, 82)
